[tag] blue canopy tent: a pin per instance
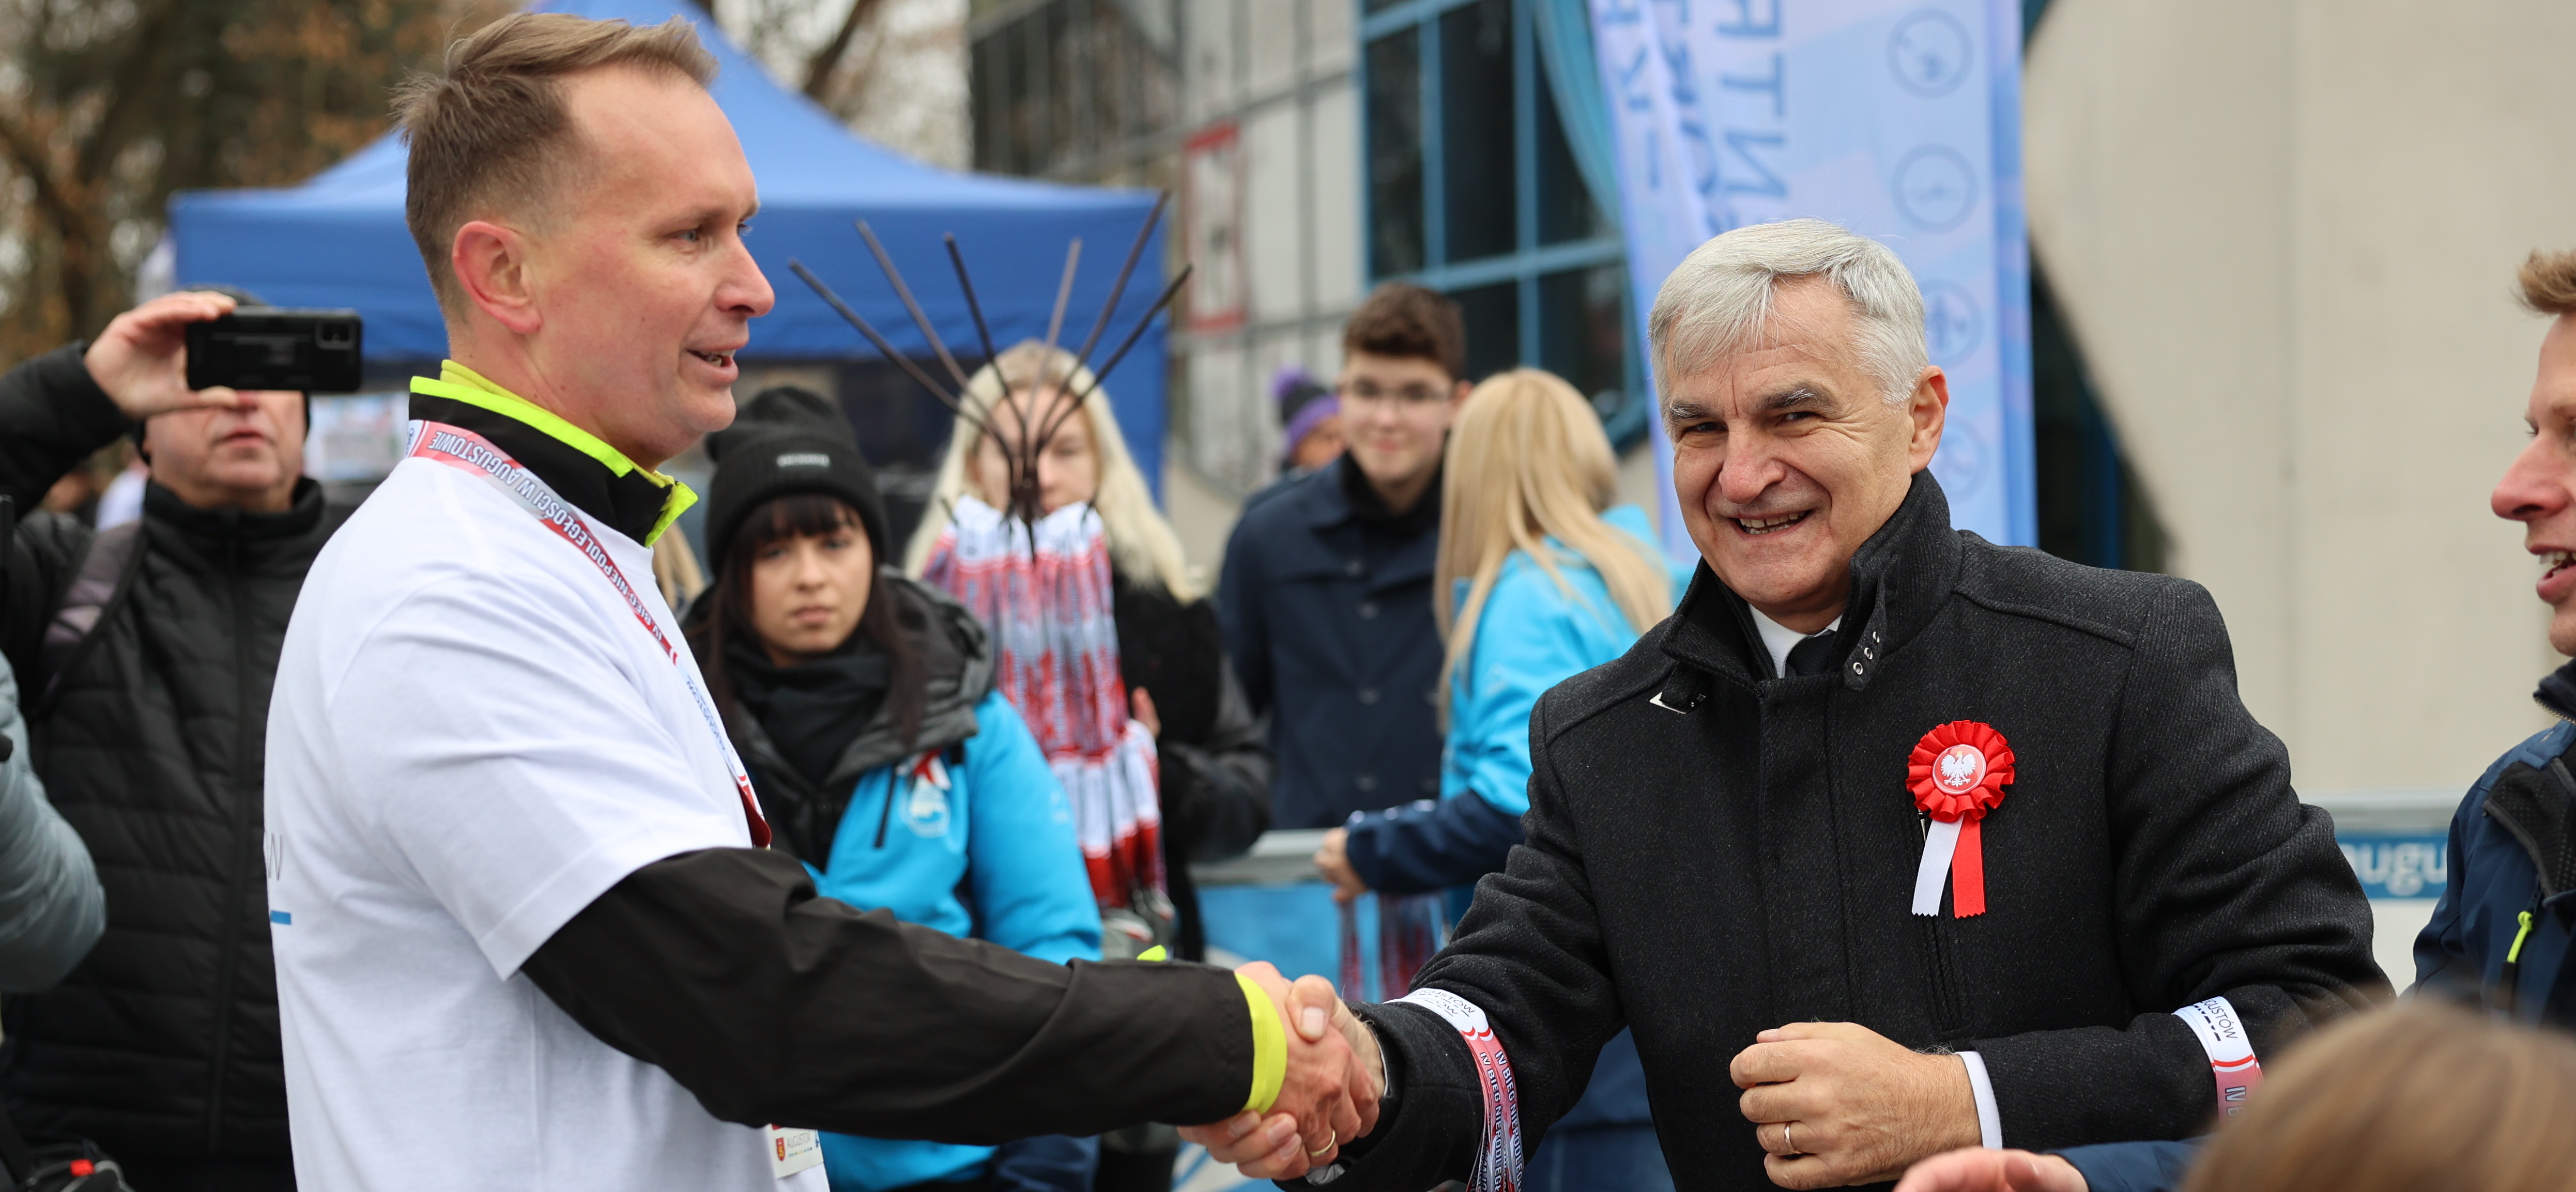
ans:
(339, 240)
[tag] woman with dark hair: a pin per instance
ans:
(863, 705)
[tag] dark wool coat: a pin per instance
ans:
(1712, 852)
(164, 1041)
(1326, 603)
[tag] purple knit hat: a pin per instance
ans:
(1304, 404)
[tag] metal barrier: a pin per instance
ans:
(1278, 858)
(1269, 905)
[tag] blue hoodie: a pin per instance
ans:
(993, 856)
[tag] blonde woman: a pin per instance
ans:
(1169, 661)
(1111, 590)
(1545, 579)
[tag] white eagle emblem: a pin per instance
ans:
(1961, 767)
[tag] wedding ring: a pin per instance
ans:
(1791, 1147)
(1328, 1147)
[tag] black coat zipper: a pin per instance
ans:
(2509, 981)
(245, 815)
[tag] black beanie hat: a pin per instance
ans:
(788, 440)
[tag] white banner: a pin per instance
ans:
(1899, 119)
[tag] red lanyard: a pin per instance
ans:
(1498, 1154)
(466, 451)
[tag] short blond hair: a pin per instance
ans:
(490, 130)
(2549, 282)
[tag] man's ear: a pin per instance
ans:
(1928, 410)
(491, 266)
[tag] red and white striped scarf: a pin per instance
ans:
(1055, 643)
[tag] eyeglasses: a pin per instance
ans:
(1410, 395)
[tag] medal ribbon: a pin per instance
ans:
(1957, 774)
(468, 452)
(1498, 1156)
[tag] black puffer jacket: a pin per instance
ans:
(152, 743)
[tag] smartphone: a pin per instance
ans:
(268, 347)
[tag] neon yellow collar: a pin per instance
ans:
(456, 382)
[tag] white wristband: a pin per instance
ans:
(2231, 1051)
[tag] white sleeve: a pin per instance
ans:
(495, 739)
(1990, 1124)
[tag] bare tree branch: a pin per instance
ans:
(818, 69)
(27, 151)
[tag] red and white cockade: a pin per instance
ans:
(1957, 773)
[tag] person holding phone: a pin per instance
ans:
(144, 656)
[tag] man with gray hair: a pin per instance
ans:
(1890, 840)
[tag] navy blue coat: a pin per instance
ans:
(1327, 614)
(2523, 809)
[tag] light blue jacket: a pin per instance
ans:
(1002, 835)
(1531, 636)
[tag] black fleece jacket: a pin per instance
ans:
(1712, 853)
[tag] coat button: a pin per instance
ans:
(1368, 695)
(1368, 610)
(1354, 568)
(1366, 782)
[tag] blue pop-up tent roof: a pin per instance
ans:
(339, 240)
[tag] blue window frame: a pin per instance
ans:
(1473, 191)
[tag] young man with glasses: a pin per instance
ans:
(1326, 594)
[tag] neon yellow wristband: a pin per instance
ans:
(1269, 1047)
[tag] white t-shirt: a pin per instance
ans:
(472, 738)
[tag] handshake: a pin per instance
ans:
(1328, 1097)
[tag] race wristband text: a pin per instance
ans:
(2231, 1051)
(1498, 1154)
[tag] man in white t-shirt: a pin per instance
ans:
(526, 931)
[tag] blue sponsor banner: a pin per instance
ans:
(1899, 119)
(2408, 866)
